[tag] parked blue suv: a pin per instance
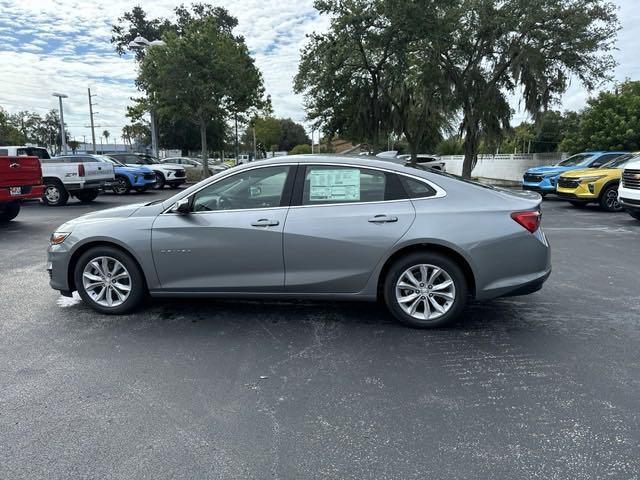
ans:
(139, 178)
(545, 179)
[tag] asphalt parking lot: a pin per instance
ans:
(545, 386)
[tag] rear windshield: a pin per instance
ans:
(455, 177)
(33, 152)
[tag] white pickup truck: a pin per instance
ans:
(79, 177)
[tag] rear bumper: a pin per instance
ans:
(29, 192)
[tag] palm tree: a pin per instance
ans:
(106, 134)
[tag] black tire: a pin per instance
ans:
(578, 204)
(609, 199)
(121, 185)
(449, 266)
(634, 213)
(55, 195)
(159, 185)
(137, 283)
(87, 196)
(9, 211)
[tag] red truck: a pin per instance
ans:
(20, 179)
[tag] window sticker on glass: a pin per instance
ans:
(339, 185)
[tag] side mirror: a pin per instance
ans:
(183, 206)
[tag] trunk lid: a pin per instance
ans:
(19, 171)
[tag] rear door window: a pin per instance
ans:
(337, 184)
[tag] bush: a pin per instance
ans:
(300, 149)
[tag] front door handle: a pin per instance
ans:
(265, 222)
(383, 219)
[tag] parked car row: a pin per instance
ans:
(610, 179)
(81, 176)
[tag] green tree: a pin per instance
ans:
(106, 136)
(610, 121)
(73, 145)
(268, 132)
(291, 135)
(195, 75)
(342, 72)
(488, 49)
(9, 133)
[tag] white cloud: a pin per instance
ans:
(63, 45)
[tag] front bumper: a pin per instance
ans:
(629, 198)
(539, 187)
(58, 257)
(581, 193)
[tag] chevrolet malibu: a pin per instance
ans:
(312, 227)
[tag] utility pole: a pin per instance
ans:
(312, 140)
(93, 131)
(154, 133)
(63, 138)
(255, 150)
(237, 152)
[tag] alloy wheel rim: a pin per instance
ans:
(120, 186)
(425, 292)
(612, 200)
(52, 194)
(159, 180)
(106, 281)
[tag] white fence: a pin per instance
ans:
(503, 167)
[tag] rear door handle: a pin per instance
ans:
(265, 222)
(383, 219)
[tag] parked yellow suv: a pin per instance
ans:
(590, 185)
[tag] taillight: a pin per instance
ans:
(529, 220)
(80, 170)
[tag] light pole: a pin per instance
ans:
(143, 43)
(62, 136)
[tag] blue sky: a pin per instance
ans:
(63, 46)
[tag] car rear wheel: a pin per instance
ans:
(159, 185)
(425, 290)
(87, 196)
(609, 199)
(121, 186)
(9, 211)
(109, 280)
(55, 195)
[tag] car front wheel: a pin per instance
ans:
(425, 290)
(159, 185)
(609, 199)
(109, 280)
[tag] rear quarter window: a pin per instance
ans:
(416, 188)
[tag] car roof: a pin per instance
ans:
(337, 160)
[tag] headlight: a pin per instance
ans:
(591, 179)
(58, 237)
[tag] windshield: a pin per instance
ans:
(575, 160)
(113, 161)
(621, 161)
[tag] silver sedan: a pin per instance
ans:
(312, 227)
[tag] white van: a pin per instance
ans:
(629, 189)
